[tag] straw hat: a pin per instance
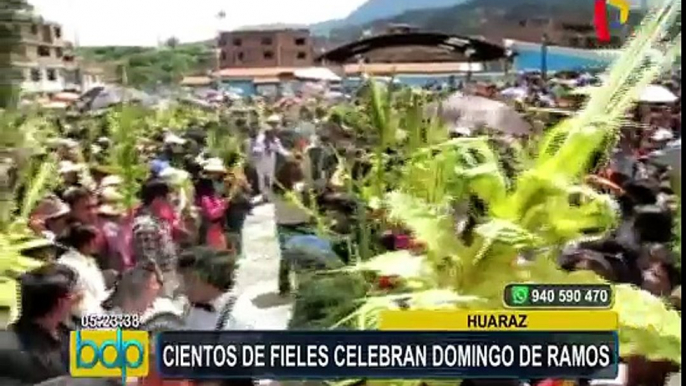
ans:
(110, 210)
(662, 135)
(173, 139)
(112, 180)
(110, 194)
(214, 165)
(174, 176)
(274, 118)
(69, 167)
(66, 142)
(50, 208)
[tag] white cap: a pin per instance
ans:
(662, 135)
(461, 130)
(274, 118)
(173, 139)
(174, 176)
(214, 165)
(111, 181)
(68, 167)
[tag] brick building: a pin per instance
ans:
(266, 48)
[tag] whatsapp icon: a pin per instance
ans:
(519, 295)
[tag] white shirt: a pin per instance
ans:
(204, 320)
(90, 281)
(265, 153)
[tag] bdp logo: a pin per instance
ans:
(109, 353)
(600, 19)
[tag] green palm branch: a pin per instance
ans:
(529, 215)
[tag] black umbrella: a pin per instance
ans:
(465, 48)
(472, 112)
(100, 98)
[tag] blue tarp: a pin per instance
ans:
(530, 59)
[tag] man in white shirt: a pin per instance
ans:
(264, 151)
(82, 240)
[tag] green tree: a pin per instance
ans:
(172, 42)
(12, 12)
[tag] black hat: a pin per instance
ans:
(214, 267)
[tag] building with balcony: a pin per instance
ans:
(40, 55)
(46, 60)
(282, 47)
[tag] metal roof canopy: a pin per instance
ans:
(472, 49)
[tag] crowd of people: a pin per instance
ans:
(181, 250)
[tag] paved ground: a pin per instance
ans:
(257, 277)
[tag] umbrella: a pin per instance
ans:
(514, 93)
(651, 94)
(100, 98)
(657, 94)
(669, 156)
(317, 73)
(196, 102)
(472, 112)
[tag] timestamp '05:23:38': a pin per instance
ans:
(106, 321)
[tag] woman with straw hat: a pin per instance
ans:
(211, 203)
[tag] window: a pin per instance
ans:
(35, 75)
(34, 29)
(240, 56)
(302, 55)
(47, 34)
(237, 42)
(58, 52)
(223, 56)
(43, 51)
(51, 74)
(300, 41)
(266, 41)
(58, 32)
(522, 23)
(268, 55)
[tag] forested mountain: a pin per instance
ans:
(380, 9)
(494, 19)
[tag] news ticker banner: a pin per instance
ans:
(391, 354)
(465, 344)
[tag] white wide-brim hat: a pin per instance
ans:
(274, 118)
(111, 180)
(214, 165)
(68, 167)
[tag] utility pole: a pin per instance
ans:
(469, 52)
(544, 56)
(221, 15)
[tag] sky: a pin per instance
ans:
(146, 22)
